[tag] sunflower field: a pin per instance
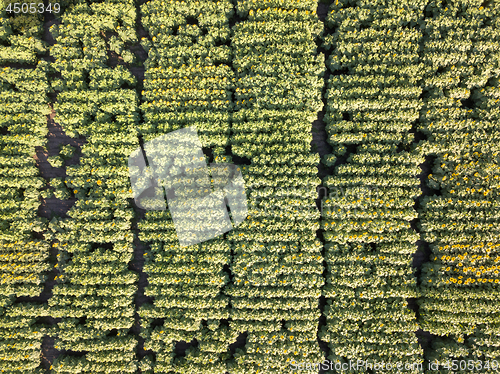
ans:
(367, 137)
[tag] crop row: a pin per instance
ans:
(24, 254)
(460, 118)
(277, 95)
(188, 83)
(93, 297)
(372, 102)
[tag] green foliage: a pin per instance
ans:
(460, 119)
(95, 240)
(367, 213)
(23, 254)
(188, 82)
(60, 190)
(399, 70)
(277, 265)
(21, 36)
(55, 161)
(66, 151)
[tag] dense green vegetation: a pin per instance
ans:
(407, 93)
(371, 105)
(23, 255)
(277, 262)
(187, 82)
(460, 117)
(95, 241)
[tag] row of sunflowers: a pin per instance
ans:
(188, 82)
(372, 102)
(277, 264)
(24, 255)
(93, 298)
(460, 283)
